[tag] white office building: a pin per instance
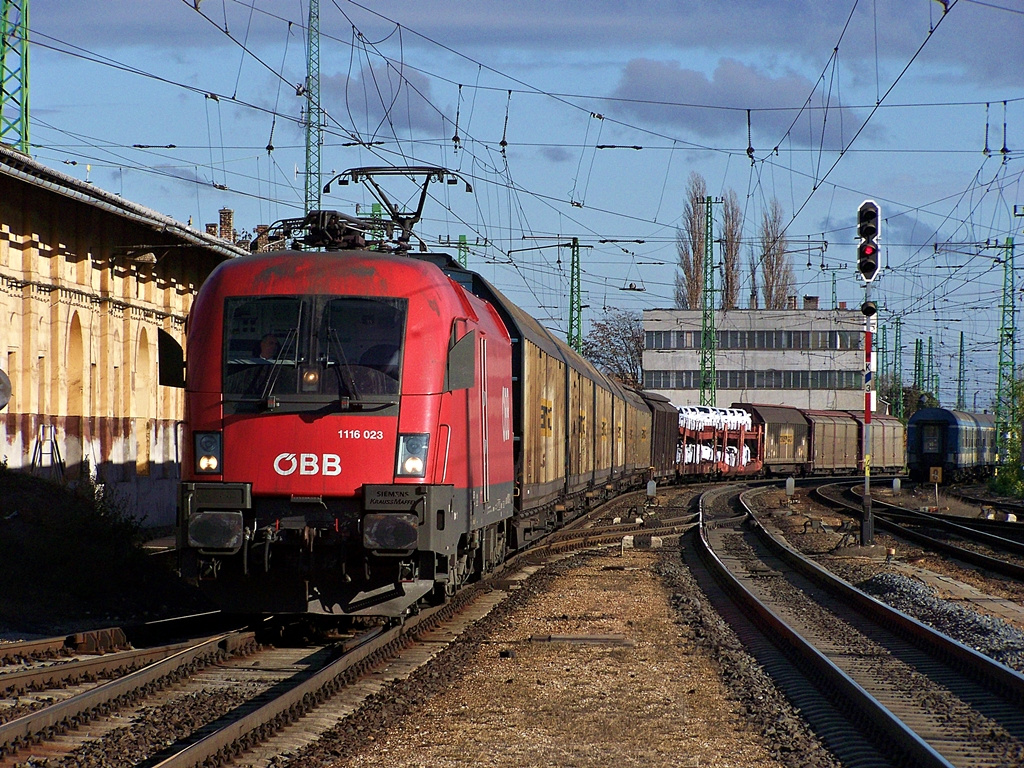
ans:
(808, 358)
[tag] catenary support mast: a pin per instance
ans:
(897, 366)
(1006, 402)
(14, 74)
(314, 114)
(708, 345)
(961, 382)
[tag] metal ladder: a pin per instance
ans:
(46, 455)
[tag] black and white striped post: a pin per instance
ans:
(867, 524)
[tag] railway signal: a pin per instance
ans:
(867, 230)
(868, 220)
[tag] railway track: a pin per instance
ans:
(1006, 506)
(93, 642)
(879, 687)
(956, 537)
(226, 696)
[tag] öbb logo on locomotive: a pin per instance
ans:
(328, 464)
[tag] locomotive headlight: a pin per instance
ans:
(208, 453)
(412, 455)
(310, 380)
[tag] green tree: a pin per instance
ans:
(1009, 479)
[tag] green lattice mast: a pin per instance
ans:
(575, 336)
(314, 114)
(919, 365)
(961, 382)
(708, 374)
(14, 74)
(897, 366)
(1006, 404)
(932, 377)
(883, 354)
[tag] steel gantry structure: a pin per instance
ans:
(708, 340)
(314, 112)
(14, 74)
(1006, 399)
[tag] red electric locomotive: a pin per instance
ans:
(349, 445)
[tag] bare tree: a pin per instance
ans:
(776, 267)
(690, 245)
(615, 344)
(732, 232)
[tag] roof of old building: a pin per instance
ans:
(19, 166)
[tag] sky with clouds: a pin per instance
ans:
(579, 119)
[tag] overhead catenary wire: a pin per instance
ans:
(520, 190)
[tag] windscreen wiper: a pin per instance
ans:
(334, 343)
(275, 370)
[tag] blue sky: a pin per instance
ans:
(894, 100)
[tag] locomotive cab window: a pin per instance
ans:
(263, 345)
(312, 347)
(359, 345)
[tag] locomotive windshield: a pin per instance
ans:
(312, 346)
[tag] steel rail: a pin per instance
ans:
(894, 734)
(884, 727)
(1002, 677)
(94, 641)
(73, 671)
(889, 523)
(223, 745)
(1004, 684)
(69, 713)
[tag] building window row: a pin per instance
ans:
(757, 339)
(829, 379)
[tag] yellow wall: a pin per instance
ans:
(79, 314)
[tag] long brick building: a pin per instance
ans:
(87, 280)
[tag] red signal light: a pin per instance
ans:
(868, 219)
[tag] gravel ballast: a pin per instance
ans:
(654, 679)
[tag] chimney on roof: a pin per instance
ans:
(227, 225)
(810, 302)
(262, 240)
(791, 302)
(842, 305)
(211, 229)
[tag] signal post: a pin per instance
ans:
(868, 218)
